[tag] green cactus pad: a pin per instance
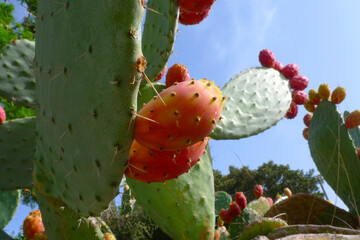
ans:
(354, 133)
(222, 200)
(255, 100)
(334, 154)
(62, 223)
(17, 149)
(9, 201)
(261, 206)
(17, 78)
(87, 88)
(261, 227)
(184, 207)
(146, 93)
(239, 224)
(159, 34)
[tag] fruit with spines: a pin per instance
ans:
(192, 18)
(258, 191)
(314, 96)
(241, 199)
(292, 112)
(161, 74)
(324, 91)
(353, 120)
(299, 97)
(267, 58)
(310, 106)
(271, 202)
(195, 5)
(306, 133)
(190, 113)
(278, 66)
(338, 95)
(299, 82)
(225, 216)
(234, 209)
(287, 192)
(217, 235)
(33, 224)
(2, 114)
(177, 73)
(109, 236)
(307, 118)
(290, 71)
(149, 165)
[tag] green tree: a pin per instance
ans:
(273, 177)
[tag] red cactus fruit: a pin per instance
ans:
(267, 58)
(161, 74)
(287, 192)
(278, 196)
(2, 114)
(299, 97)
(192, 18)
(148, 165)
(234, 209)
(314, 96)
(290, 71)
(306, 133)
(241, 199)
(216, 235)
(307, 119)
(33, 224)
(338, 95)
(109, 236)
(195, 5)
(278, 66)
(225, 216)
(191, 112)
(177, 73)
(310, 106)
(292, 112)
(220, 222)
(353, 120)
(271, 202)
(324, 91)
(258, 191)
(299, 82)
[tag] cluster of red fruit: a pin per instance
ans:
(194, 11)
(171, 130)
(291, 71)
(33, 226)
(2, 114)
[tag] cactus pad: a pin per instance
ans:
(9, 201)
(222, 200)
(184, 207)
(354, 133)
(256, 100)
(240, 223)
(160, 28)
(261, 227)
(17, 78)
(334, 154)
(261, 206)
(17, 149)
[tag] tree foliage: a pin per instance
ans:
(273, 177)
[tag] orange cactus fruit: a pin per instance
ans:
(324, 91)
(287, 192)
(338, 95)
(353, 120)
(314, 96)
(306, 133)
(310, 106)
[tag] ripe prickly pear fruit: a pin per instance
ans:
(195, 5)
(192, 18)
(267, 58)
(353, 120)
(225, 216)
(271, 202)
(299, 97)
(109, 236)
(306, 133)
(307, 119)
(161, 74)
(148, 165)
(290, 71)
(177, 73)
(191, 112)
(278, 196)
(216, 235)
(299, 82)
(234, 209)
(278, 66)
(33, 224)
(258, 191)
(324, 91)
(314, 96)
(293, 111)
(310, 106)
(338, 95)
(287, 192)
(241, 199)
(2, 114)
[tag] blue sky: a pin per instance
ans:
(322, 37)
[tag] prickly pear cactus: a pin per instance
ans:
(261, 227)
(9, 201)
(222, 200)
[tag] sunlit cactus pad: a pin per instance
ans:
(17, 78)
(256, 100)
(9, 201)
